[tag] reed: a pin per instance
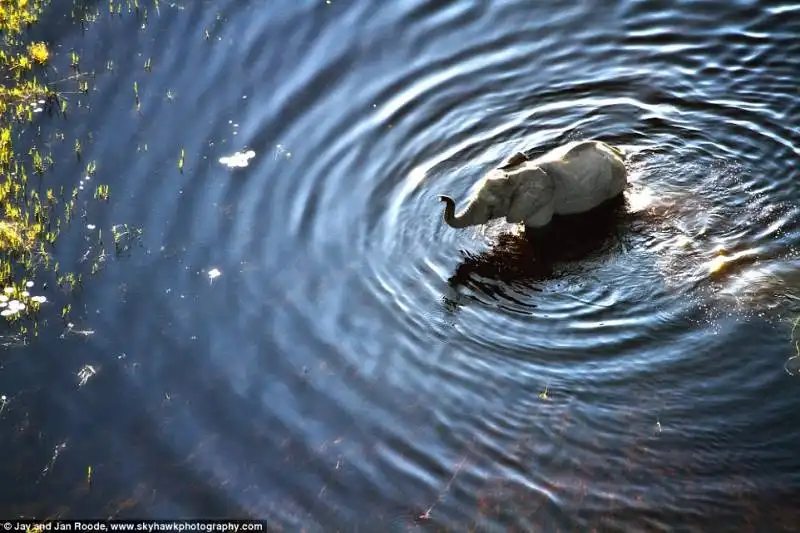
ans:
(32, 215)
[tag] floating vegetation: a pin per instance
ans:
(16, 300)
(238, 160)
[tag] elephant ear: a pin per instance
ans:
(533, 198)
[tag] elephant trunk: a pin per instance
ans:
(461, 220)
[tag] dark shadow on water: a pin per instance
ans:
(568, 245)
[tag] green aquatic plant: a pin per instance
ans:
(543, 395)
(39, 53)
(101, 192)
(32, 215)
(24, 217)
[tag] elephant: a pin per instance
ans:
(571, 179)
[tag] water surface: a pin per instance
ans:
(356, 365)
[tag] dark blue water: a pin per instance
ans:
(302, 339)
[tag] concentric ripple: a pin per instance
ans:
(356, 362)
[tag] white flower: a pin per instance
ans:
(8, 312)
(214, 273)
(39, 299)
(8, 290)
(25, 294)
(3, 304)
(29, 284)
(3, 298)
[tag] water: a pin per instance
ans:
(353, 364)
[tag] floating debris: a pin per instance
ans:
(213, 274)
(70, 329)
(238, 160)
(56, 452)
(85, 373)
(281, 150)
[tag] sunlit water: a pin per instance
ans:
(299, 337)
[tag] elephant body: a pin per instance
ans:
(571, 179)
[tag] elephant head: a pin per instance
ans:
(516, 195)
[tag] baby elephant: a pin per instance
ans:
(571, 179)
